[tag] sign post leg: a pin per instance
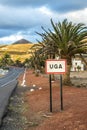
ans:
(50, 93)
(61, 93)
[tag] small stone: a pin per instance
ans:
(34, 85)
(40, 88)
(31, 90)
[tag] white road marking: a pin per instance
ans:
(24, 81)
(7, 83)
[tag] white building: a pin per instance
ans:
(77, 65)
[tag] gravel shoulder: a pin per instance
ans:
(14, 118)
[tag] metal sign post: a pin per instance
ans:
(56, 67)
(61, 93)
(50, 93)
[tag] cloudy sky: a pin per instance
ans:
(23, 18)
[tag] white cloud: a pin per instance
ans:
(23, 18)
(10, 39)
(45, 11)
(77, 16)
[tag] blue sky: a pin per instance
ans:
(23, 18)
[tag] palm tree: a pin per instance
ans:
(42, 51)
(68, 39)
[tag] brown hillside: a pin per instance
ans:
(17, 51)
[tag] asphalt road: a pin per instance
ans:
(7, 85)
(12, 75)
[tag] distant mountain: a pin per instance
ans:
(22, 41)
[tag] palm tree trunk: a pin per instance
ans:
(66, 76)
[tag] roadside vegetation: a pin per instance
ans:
(6, 61)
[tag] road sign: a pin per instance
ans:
(56, 66)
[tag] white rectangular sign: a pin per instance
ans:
(56, 66)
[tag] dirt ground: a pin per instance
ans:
(39, 117)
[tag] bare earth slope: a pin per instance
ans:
(74, 115)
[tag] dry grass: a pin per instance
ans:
(17, 51)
